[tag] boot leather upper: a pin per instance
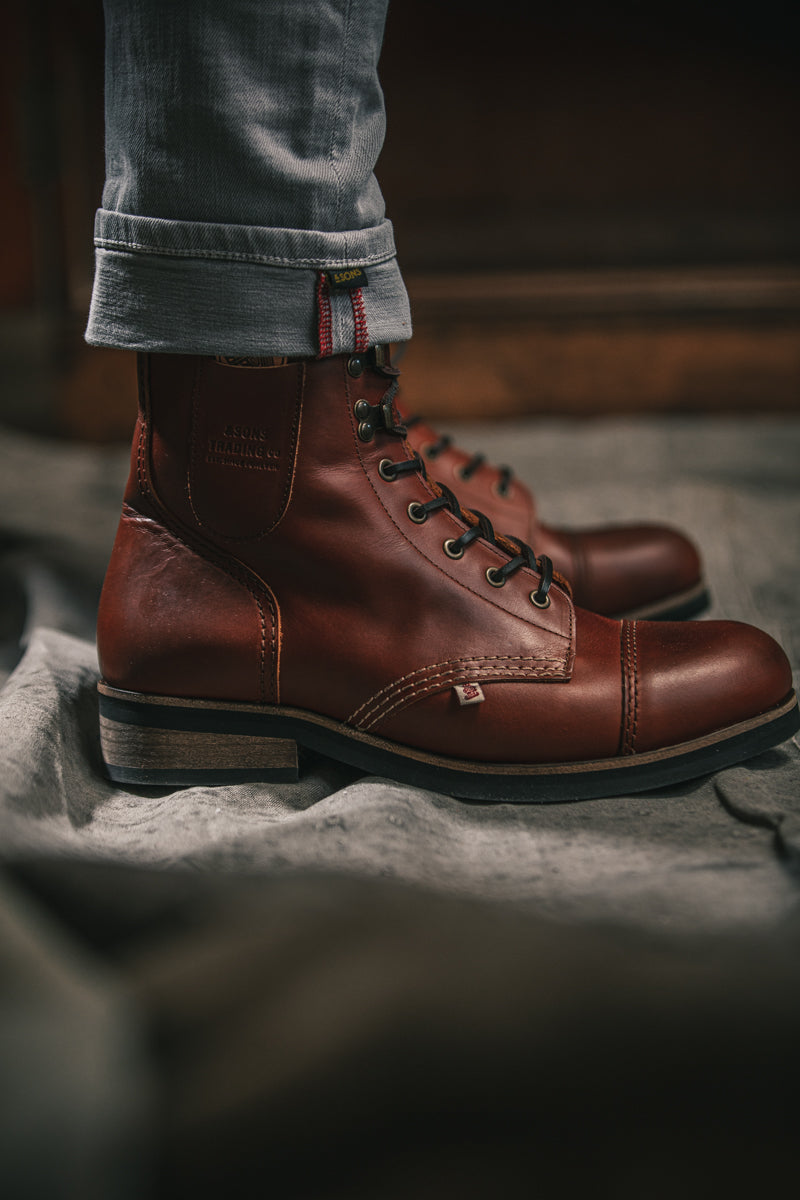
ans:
(612, 570)
(261, 558)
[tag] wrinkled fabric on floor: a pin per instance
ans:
(441, 998)
(714, 853)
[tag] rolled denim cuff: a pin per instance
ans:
(200, 288)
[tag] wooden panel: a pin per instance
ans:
(612, 342)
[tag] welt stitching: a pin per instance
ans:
(452, 663)
(363, 260)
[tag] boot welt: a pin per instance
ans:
(679, 607)
(169, 741)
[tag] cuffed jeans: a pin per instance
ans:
(241, 139)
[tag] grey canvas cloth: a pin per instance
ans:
(710, 854)
(441, 998)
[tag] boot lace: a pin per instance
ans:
(444, 441)
(385, 417)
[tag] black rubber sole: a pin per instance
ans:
(160, 741)
(673, 608)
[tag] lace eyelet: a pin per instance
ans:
(495, 578)
(386, 470)
(500, 491)
(544, 602)
(362, 410)
(429, 450)
(355, 366)
(417, 513)
(452, 549)
(461, 473)
(366, 431)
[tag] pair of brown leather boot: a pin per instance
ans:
(287, 574)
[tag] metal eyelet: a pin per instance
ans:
(500, 492)
(461, 473)
(355, 366)
(495, 578)
(366, 431)
(429, 450)
(362, 410)
(543, 603)
(386, 470)
(452, 549)
(417, 513)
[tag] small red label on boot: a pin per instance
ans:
(469, 693)
(347, 279)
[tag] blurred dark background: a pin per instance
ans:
(596, 209)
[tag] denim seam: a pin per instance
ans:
(263, 259)
(336, 118)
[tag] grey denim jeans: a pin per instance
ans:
(241, 139)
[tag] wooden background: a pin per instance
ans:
(597, 211)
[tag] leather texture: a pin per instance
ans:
(613, 570)
(262, 557)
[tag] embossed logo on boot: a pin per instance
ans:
(243, 446)
(244, 432)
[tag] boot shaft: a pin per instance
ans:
(256, 498)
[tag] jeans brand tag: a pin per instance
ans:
(226, 360)
(347, 279)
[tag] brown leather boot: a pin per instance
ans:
(642, 571)
(285, 573)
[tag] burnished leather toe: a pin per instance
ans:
(647, 571)
(694, 679)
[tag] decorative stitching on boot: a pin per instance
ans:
(635, 723)
(262, 666)
(359, 320)
(630, 688)
(435, 677)
(295, 436)
(325, 322)
(141, 473)
(223, 564)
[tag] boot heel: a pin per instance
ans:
(186, 743)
